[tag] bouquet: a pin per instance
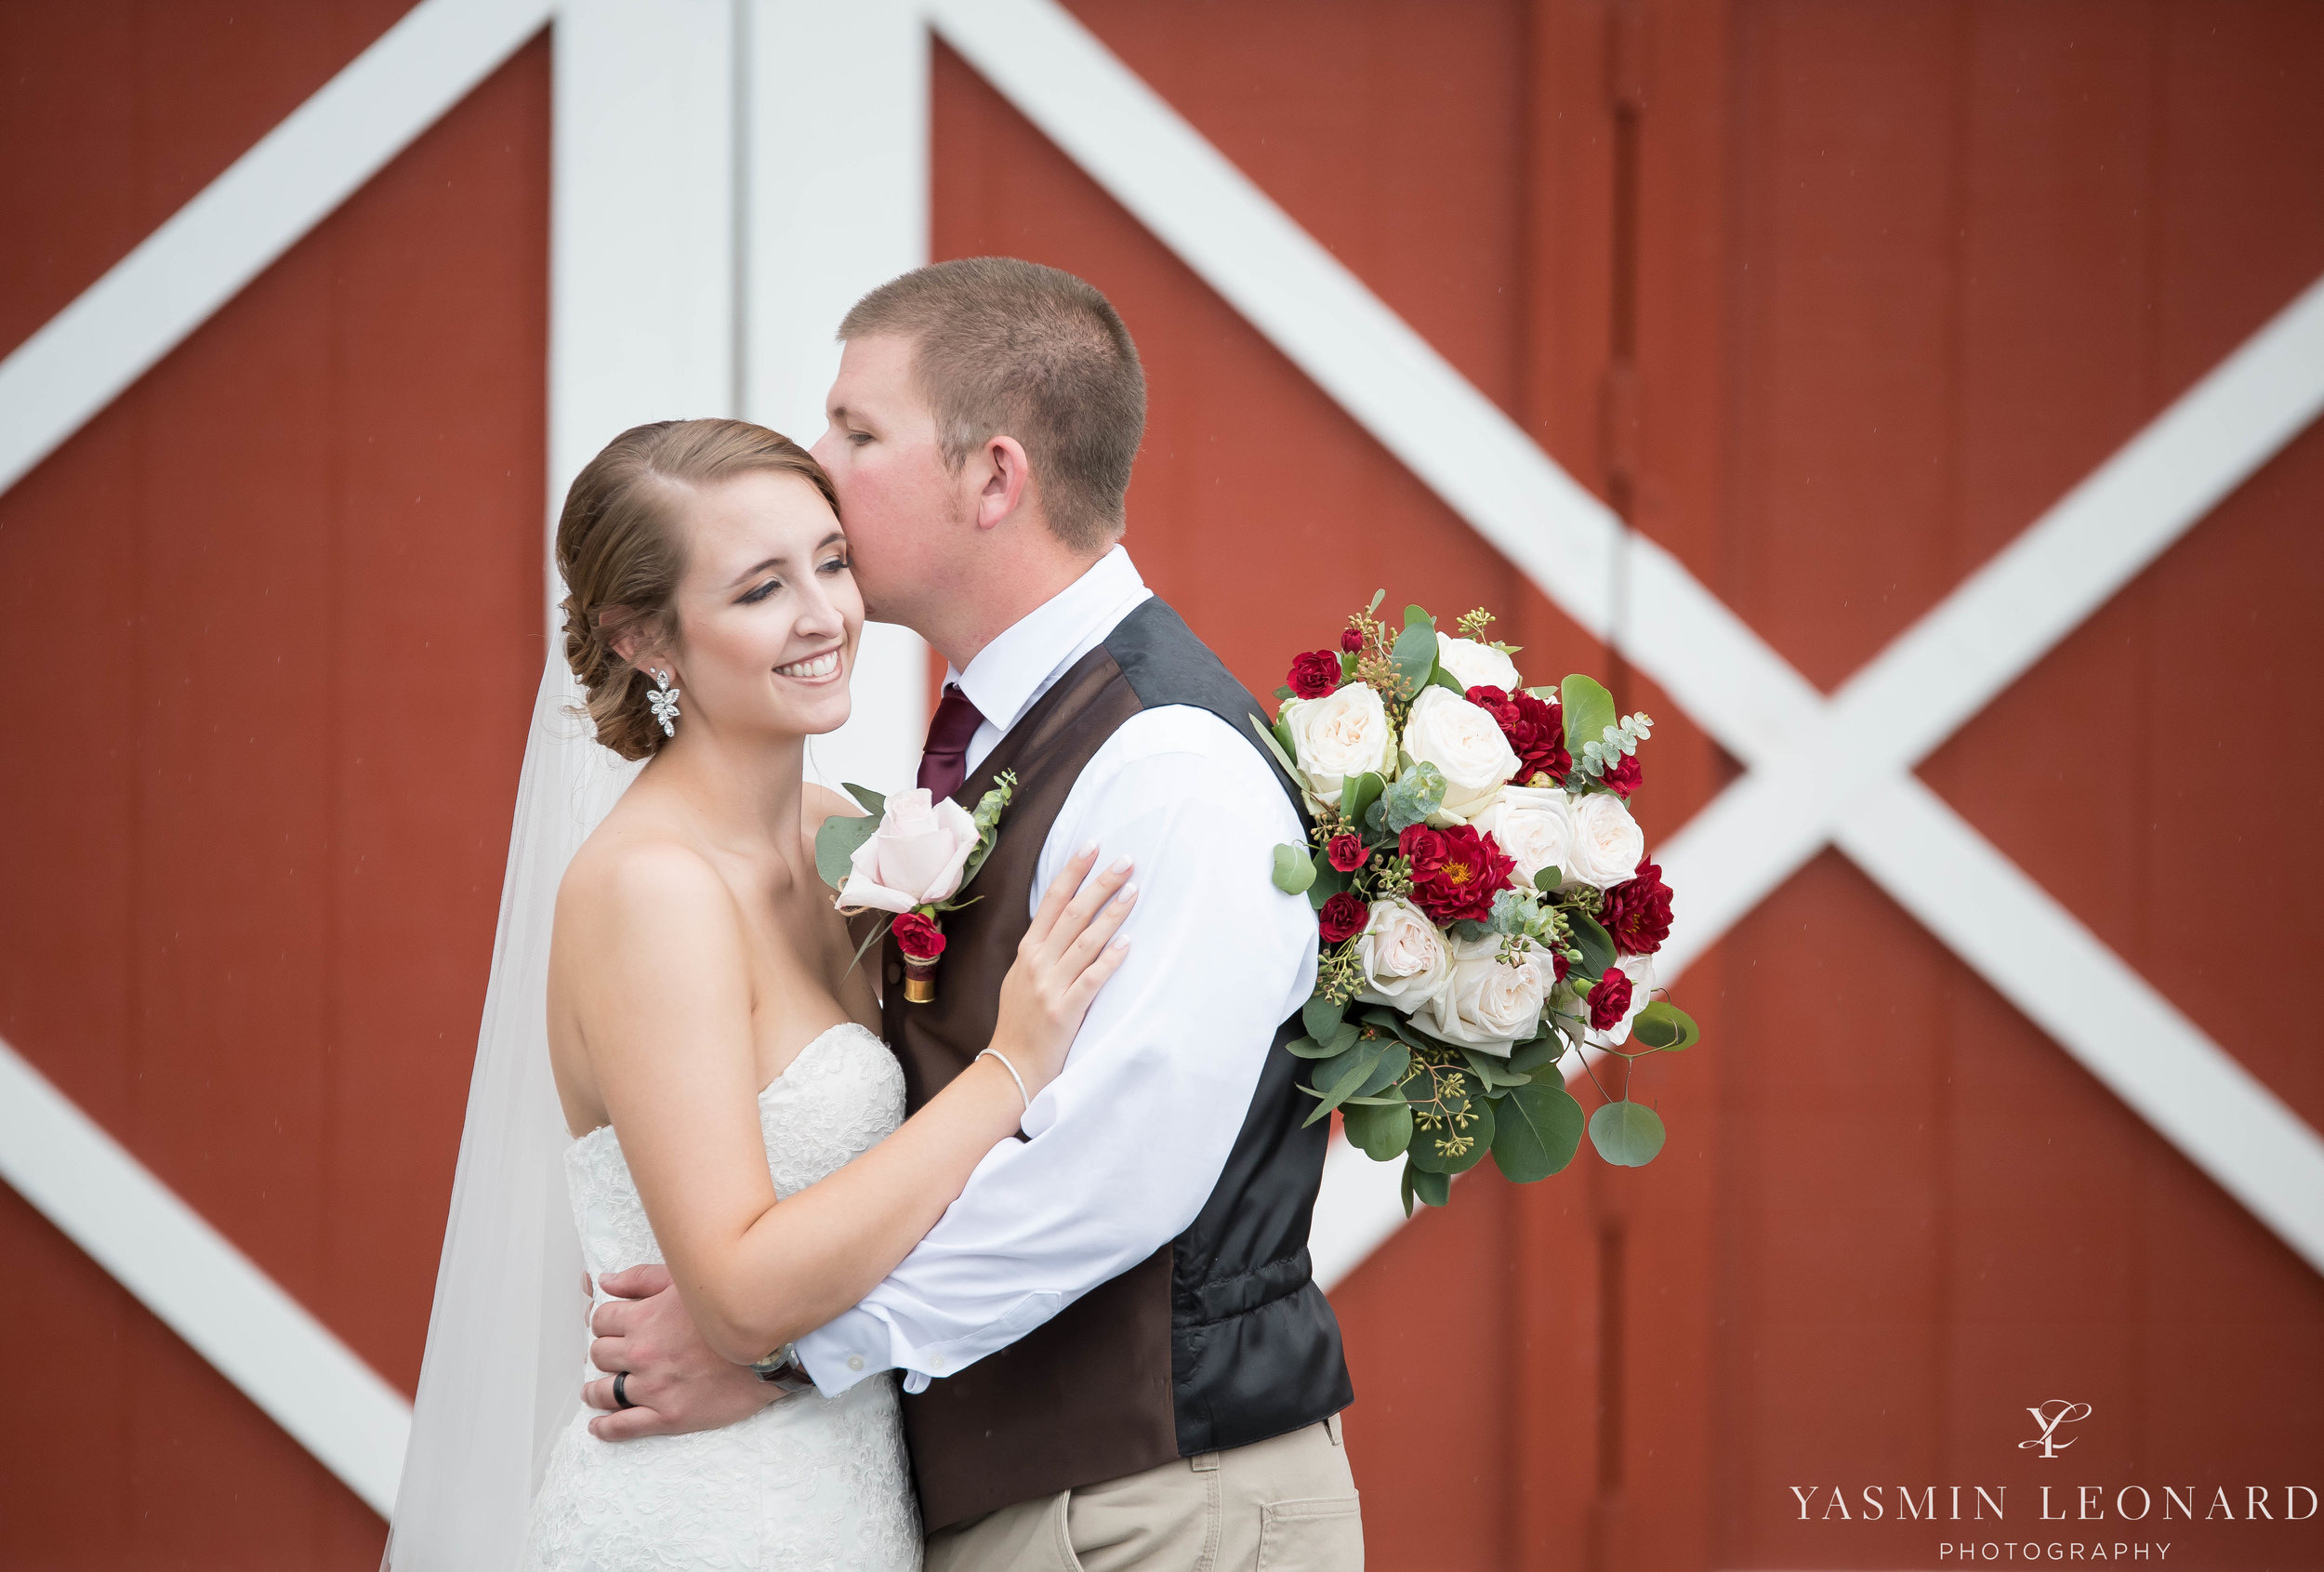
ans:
(910, 857)
(1486, 901)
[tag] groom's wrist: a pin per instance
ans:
(782, 1370)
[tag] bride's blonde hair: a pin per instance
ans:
(620, 554)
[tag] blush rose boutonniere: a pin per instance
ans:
(909, 856)
(1486, 913)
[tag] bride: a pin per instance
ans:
(727, 1107)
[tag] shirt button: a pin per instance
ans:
(855, 1361)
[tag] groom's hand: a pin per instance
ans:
(676, 1383)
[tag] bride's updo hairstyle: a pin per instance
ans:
(621, 552)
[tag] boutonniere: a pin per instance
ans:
(910, 856)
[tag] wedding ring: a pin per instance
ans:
(621, 1391)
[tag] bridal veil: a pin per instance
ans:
(508, 1334)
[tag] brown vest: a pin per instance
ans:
(1089, 1395)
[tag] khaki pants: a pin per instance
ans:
(1287, 1505)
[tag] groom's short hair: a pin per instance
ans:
(1005, 347)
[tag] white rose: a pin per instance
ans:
(1606, 843)
(1534, 825)
(913, 858)
(1476, 666)
(1640, 969)
(1403, 956)
(1345, 732)
(1486, 1004)
(1466, 743)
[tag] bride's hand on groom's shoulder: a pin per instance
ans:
(677, 1385)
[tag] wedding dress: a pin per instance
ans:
(806, 1484)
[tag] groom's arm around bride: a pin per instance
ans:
(1115, 1352)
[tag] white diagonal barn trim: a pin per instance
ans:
(1809, 757)
(85, 355)
(205, 1289)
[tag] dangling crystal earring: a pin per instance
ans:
(662, 701)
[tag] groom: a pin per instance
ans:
(1113, 1352)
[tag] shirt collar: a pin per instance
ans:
(1019, 666)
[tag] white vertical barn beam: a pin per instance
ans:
(641, 222)
(835, 154)
(193, 1280)
(296, 175)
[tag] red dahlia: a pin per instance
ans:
(1622, 776)
(1609, 1002)
(1455, 872)
(1343, 917)
(1313, 674)
(917, 937)
(1535, 730)
(1638, 911)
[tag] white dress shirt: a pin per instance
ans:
(1127, 1143)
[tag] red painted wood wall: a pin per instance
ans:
(1830, 299)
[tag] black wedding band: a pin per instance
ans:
(621, 1391)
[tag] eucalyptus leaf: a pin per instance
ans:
(1380, 1130)
(1417, 793)
(1326, 881)
(1535, 1131)
(1627, 1134)
(1394, 1060)
(1286, 692)
(1293, 871)
(1429, 1189)
(1414, 650)
(1490, 1069)
(1358, 796)
(836, 844)
(1322, 1016)
(1360, 1061)
(1589, 711)
(1664, 1027)
(874, 803)
(1440, 677)
(1429, 1154)
(1549, 878)
(1534, 1057)
(1596, 944)
(1308, 1047)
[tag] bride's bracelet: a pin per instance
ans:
(996, 1053)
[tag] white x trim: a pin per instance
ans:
(1818, 768)
(1836, 770)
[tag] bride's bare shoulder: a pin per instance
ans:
(633, 874)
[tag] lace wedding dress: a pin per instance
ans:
(807, 1484)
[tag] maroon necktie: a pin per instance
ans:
(945, 762)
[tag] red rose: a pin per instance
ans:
(1343, 917)
(1535, 730)
(917, 937)
(1622, 776)
(1424, 848)
(1351, 641)
(1609, 1002)
(1638, 911)
(1345, 852)
(1465, 876)
(1313, 674)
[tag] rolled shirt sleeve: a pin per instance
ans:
(1127, 1143)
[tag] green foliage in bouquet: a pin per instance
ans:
(1401, 836)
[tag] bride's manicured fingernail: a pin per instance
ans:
(1129, 893)
(1089, 849)
(1121, 865)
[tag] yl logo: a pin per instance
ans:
(2051, 1415)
